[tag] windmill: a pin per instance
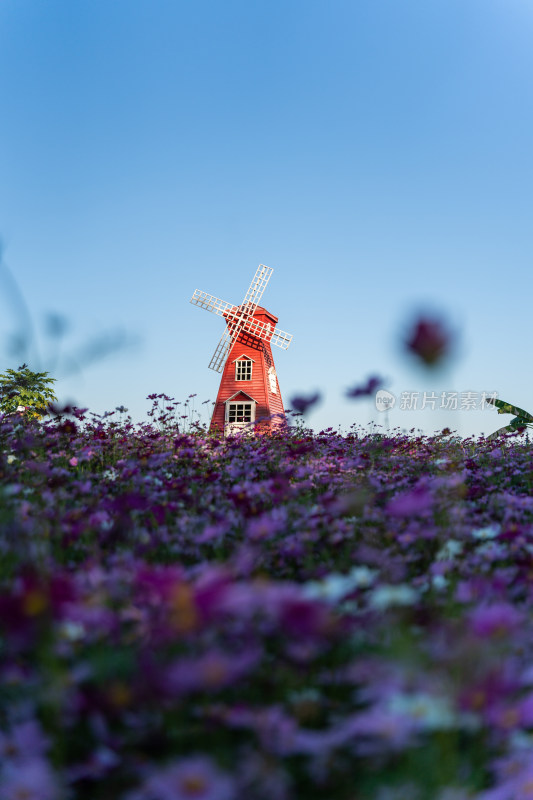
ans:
(248, 396)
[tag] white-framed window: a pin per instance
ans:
(239, 412)
(240, 415)
(243, 370)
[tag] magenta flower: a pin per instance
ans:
(417, 501)
(429, 340)
(301, 617)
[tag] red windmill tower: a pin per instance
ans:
(249, 395)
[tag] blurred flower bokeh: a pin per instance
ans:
(286, 616)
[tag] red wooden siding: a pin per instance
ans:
(267, 403)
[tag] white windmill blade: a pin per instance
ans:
(281, 338)
(257, 287)
(220, 355)
(211, 303)
(235, 325)
(263, 330)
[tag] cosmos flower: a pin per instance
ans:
(193, 778)
(429, 340)
(365, 390)
(22, 740)
(302, 403)
(517, 785)
(210, 671)
(29, 779)
(494, 619)
(192, 595)
(416, 501)
(384, 596)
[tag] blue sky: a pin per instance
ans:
(377, 155)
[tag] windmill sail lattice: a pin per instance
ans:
(263, 330)
(242, 318)
(250, 325)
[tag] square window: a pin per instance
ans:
(240, 412)
(243, 370)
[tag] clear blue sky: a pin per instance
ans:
(377, 154)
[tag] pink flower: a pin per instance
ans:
(73, 461)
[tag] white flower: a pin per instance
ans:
(110, 474)
(73, 631)
(430, 712)
(488, 532)
(449, 550)
(362, 576)
(385, 596)
(439, 582)
(334, 587)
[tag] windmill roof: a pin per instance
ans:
(262, 310)
(233, 396)
(243, 355)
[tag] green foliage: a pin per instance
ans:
(523, 419)
(22, 387)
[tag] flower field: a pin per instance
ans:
(308, 615)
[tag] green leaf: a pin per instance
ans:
(22, 387)
(507, 408)
(519, 422)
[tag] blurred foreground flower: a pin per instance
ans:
(302, 404)
(430, 340)
(367, 389)
(193, 777)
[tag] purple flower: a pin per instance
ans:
(417, 501)
(23, 740)
(30, 779)
(494, 619)
(516, 785)
(380, 723)
(301, 404)
(211, 671)
(267, 525)
(194, 778)
(365, 390)
(299, 616)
